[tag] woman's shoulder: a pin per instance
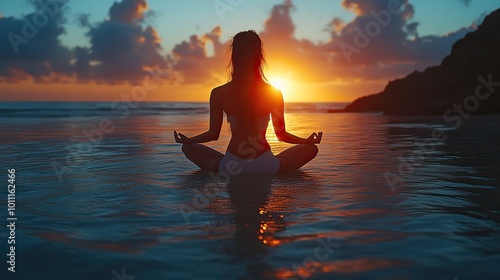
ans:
(221, 88)
(217, 94)
(262, 87)
(274, 92)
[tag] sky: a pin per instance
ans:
(316, 50)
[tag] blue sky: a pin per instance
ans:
(177, 20)
(305, 43)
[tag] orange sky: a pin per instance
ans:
(124, 45)
(293, 91)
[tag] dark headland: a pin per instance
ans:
(468, 76)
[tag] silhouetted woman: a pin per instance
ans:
(248, 101)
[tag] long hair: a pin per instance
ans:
(247, 57)
(245, 67)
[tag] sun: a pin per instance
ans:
(280, 83)
(284, 84)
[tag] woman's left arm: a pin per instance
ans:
(216, 117)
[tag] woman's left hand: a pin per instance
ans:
(315, 138)
(180, 138)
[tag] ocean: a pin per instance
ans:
(102, 191)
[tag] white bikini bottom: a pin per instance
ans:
(266, 163)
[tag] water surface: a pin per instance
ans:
(129, 203)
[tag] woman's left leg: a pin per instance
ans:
(295, 157)
(204, 157)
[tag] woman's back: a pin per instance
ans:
(248, 108)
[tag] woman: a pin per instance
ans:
(248, 101)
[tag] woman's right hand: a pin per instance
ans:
(180, 138)
(315, 138)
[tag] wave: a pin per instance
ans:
(92, 109)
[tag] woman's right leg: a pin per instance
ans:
(295, 157)
(205, 157)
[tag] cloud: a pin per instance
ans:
(379, 43)
(128, 11)
(82, 64)
(280, 24)
(392, 46)
(367, 40)
(29, 47)
(121, 50)
(83, 20)
(283, 50)
(381, 34)
(190, 60)
(336, 25)
(382, 43)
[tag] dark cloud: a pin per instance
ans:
(121, 48)
(367, 40)
(335, 26)
(411, 28)
(380, 43)
(391, 46)
(128, 11)
(29, 47)
(381, 34)
(82, 64)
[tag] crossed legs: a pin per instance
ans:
(291, 159)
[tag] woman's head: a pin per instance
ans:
(247, 56)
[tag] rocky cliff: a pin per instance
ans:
(469, 76)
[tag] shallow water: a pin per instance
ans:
(133, 205)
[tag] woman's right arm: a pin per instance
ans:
(278, 118)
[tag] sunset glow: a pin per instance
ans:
(285, 85)
(115, 44)
(281, 83)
